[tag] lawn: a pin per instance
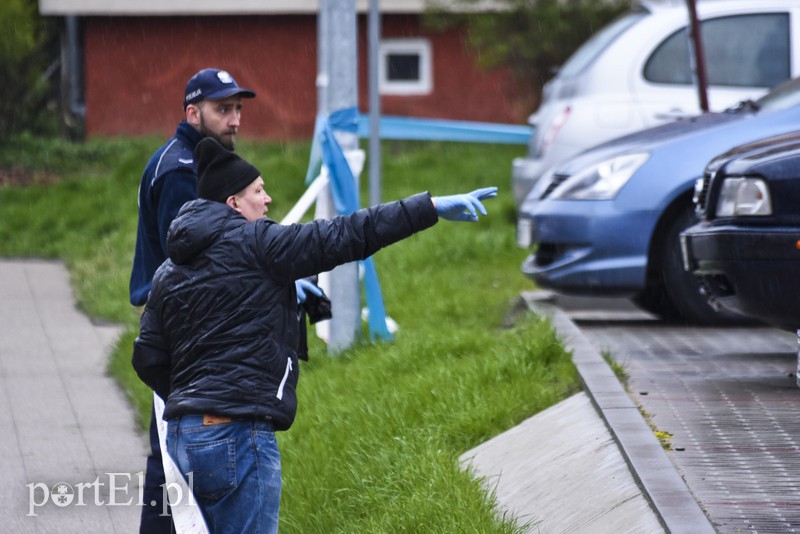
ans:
(380, 426)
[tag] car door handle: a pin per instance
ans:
(671, 115)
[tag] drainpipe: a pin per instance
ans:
(74, 68)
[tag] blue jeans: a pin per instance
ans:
(236, 471)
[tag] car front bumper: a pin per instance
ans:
(748, 270)
(588, 247)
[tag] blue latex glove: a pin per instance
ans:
(464, 207)
(304, 285)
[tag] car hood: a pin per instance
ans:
(744, 155)
(646, 140)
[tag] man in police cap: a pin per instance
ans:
(213, 106)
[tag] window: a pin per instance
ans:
(740, 51)
(596, 44)
(404, 67)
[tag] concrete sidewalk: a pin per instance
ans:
(72, 455)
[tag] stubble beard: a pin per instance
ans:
(228, 141)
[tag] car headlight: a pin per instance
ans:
(601, 181)
(744, 196)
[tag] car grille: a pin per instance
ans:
(701, 195)
(557, 180)
(546, 253)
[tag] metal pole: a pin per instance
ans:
(345, 326)
(699, 56)
(343, 90)
(374, 104)
(323, 58)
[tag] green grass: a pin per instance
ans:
(380, 427)
(619, 369)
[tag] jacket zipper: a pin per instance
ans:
(285, 377)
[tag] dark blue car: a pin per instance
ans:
(746, 249)
(607, 222)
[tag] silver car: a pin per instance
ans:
(635, 73)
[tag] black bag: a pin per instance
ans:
(317, 308)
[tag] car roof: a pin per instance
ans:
(712, 7)
(656, 5)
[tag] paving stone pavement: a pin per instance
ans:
(730, 399)
(66, 424)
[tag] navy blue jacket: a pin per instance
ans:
(220, 331)
(169, 180)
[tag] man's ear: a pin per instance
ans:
(233, 203)
(193, 114)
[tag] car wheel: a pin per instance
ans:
(674, 293)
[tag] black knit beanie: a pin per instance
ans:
(220, 172)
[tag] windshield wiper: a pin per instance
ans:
(744, 105)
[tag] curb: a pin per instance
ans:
(673, 503)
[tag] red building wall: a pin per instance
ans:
(136, 69)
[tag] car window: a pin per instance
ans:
(591, 49)
(740, 51)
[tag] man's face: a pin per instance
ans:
(218, 119)
(253, 202)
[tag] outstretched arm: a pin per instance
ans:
(301, 250)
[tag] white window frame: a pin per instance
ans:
(421, 47)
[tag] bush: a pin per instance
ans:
(28, 58)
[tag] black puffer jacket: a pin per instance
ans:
(220, 331)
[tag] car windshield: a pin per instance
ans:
(781, 97)
(592, 48)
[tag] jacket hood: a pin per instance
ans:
(198, 225)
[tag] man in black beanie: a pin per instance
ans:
(221, 173)
(218, 335)
(212, 106)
